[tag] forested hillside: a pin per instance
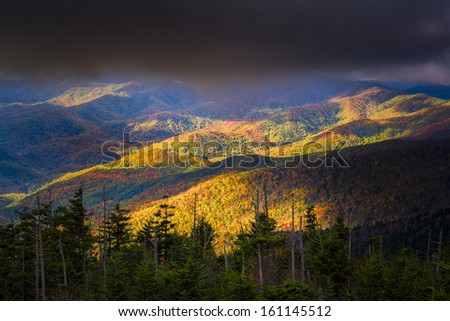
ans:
(319, 189)
(66, 253)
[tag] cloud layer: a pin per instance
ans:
(221, 37)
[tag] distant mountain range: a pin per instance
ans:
(439, 91)
(397, 147)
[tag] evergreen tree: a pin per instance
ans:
(194, 281)
(235, 286)
(31, 232)
(146, 286)
(261, 242)
(117, 284)
(157, 233)
(165, 228)
(311, 223)
(290, 291)
(405, 279)
(76, 241)
(15, 276)
(204, 236)
(48, 254)
(371, 279)
(118, 228)
(329, 260)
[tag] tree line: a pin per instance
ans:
(67, 253)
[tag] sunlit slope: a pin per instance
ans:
(207, 141)
(404, 116)
(80, 95)
(56, 139)
(181, 166)
(378, 185)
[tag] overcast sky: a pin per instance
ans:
(210, 39)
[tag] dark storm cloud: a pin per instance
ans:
(204, 37)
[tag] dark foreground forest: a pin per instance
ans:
(66, 253)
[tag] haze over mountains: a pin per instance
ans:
(51, 138)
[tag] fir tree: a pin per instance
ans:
(117, 284)
(118, 228)
(146, 286)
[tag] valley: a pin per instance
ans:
(389, 137)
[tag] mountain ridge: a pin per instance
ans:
(59, 149)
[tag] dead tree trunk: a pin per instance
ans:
(258, 233)
(41, 248)
(292, 242)
(23, 271)
(428, 245)
(302, 252)
(83, 241)
(41, 253)
(261, 278)
(36, 250)
(155, 249)
(439, 253)
(206, 240)
(102, 247)
(63, 260)
(194, 229)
